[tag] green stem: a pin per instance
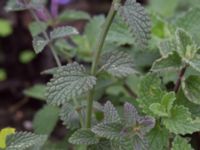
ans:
(47, 38)
(98, 50)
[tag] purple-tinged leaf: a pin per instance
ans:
(146, 123)
(130, 114)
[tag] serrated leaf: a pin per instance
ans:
(110, 113)
(110, 131)
(195, 62)
(15, 5)
(61, 32)
(158, 138)
(167, 46)
(169, 62)
(191, 89)
(118, 64)
(39, 43)
(190, 22)
(50, 113)
(181, 143)
(180, 121)
(37, 91)
(130, 114)
(70, 116)
(3, 134)
(24, 140)
(68, 82)
(163, 109)
(84, 136)
(149, 92)
(37, 27)
(103, 144)
(138, 21)
(186, 47)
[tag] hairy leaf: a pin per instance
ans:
(39, 44)
(195, 62)
(180, 121)
(50, 113)
(163, 109)
(110, 113)
(15, 5)
(185, 44)
(191, 89)
(83, 136)
(138, 21)
(158, 138)
(167, 46)
(103, 144)
(37, 28)
(68, 82)
(171, 61)
(110, 131)
(61, 32)
(24, 140)
(181, 143)
(118, 64)
(70, 116)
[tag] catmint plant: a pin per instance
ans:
(152, 116)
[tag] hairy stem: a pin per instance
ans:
(180, 76)
(47, 38)
(98, 50)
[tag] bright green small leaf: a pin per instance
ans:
(5, 28)
(37, 91)
(84, 136)
(158, 110)
(48, 112)
(3, 134)
(39, 43)
(61, 32)
(191, 88)
(167, 46)
(26, 56)
(3, 74)
(37, 27)
(180, 143)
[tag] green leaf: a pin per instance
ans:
(158, 138)
(37, 91)
(48, 112)
(3, 134)
(138, 21)
(68, 82)
(39, 43)
(110, 113)
(83, 136)
(62, 32)
(5, 28)
(70, 116)
(26, 56)
(181, 143)
(167, 46)
(195, 62)
(163, 109)
(37, 27)
(171, 61)
(118, 64)
(180, 121)
(103, 144)
(189, 21)
(15, 5)
(149, 92)
(110, 131)
(3, 74)
(24, 140)
(73, 15)
(186, 47)
(191, 89)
